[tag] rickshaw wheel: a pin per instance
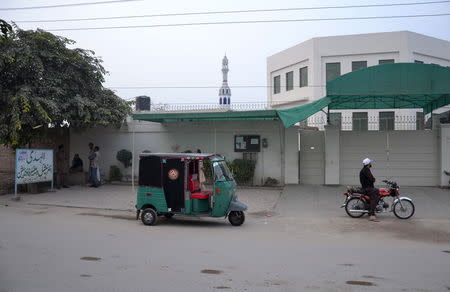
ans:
(236, 218)
(149, 216)
(168, 215)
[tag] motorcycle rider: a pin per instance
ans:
(367, 180)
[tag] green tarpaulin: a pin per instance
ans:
(207, 116)
(388, 86)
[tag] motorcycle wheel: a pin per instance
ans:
(404, 209)
(355, 204)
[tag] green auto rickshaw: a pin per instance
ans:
(173, 183)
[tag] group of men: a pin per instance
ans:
(77, 166)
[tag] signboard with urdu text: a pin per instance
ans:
(34, 165)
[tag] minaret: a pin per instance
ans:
(225, 92)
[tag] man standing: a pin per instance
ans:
(95, 170)
(91, 151)
(367, 180)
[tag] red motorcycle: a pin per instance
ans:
(357, 203)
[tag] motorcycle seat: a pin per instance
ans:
(357, 191)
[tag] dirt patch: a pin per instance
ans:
(360, 283)
(39, 212)
(222, 287)
(114, 216)
(85, 276)
(372, 277)
(91, 259)
(408, 230)
(446, 251)
(346, 265)
(268, 283)
(263, 214)
(211, 272)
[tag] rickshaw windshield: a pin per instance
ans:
(221, 171)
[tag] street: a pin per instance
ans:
(304, 242)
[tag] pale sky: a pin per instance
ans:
(191, 56)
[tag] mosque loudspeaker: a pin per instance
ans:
(142, 103)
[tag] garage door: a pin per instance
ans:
(408, 157)
(311, 158)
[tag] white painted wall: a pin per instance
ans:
(210, 137)
(402, 46)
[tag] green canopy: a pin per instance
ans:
(163, 117)
(387, 86)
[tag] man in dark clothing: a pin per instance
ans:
(366, 178)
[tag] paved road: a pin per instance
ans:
(305, 244)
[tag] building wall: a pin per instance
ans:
(7, 169)
(402, 46)
(210, 137)
(50, 140)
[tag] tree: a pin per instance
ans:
(43, 83)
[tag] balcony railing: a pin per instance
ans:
(372, 123)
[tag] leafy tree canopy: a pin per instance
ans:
(43, 83)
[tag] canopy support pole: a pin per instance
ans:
(133, 157)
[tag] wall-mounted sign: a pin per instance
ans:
(32, 166)
(247, 143)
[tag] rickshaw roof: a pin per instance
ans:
(182, 155)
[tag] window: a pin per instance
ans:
(276, 84)
(333, 70)
(417, 61)
(386, 120)
(356, 65)
(420, 121)
(289, 80)
(150, 171)
(303, 76)
(335, 119)
(359, 121)
(386, 61)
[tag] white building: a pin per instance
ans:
(299, 74)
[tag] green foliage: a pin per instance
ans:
(5, 28)
(125, 157)
(114, 173)
(243, 170)
(271, 182)
(43, 83)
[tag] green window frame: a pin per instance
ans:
(357, 65)
(386, 121)
(420, 121)
(336, 119)
(276, 84)
(360, 121)
(386, 61)
(332, 70)
(289, 80)
(303, 72)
